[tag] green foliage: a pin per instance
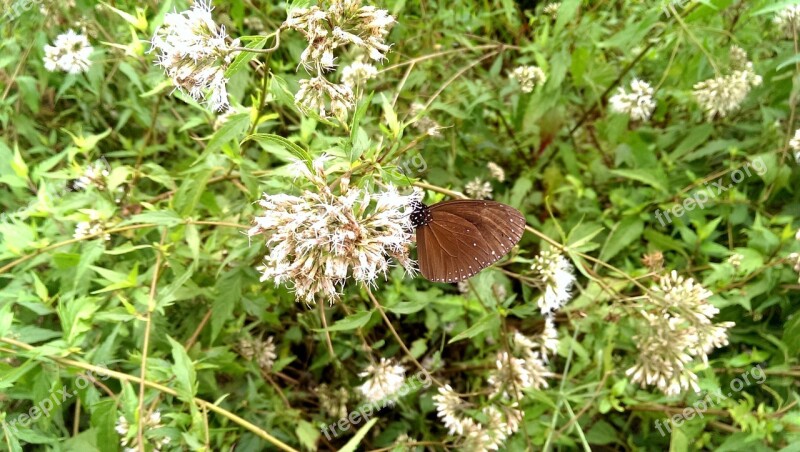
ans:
(161, 317)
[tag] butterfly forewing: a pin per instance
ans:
(463, 237)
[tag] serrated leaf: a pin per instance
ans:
(183, 370)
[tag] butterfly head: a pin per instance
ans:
(420, 214)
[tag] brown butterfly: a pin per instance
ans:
(457, 239)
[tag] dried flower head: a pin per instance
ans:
(638, 104)
(678, 329)
(333, 401)
(320, 96)
(319, 239)
(69, 53)
(723, 95)
(499, 424)
(384, 379)
(497, 172)
(478, 189)
(654, 261)
(528, 77)
(557, 276)
(424, 124)
(194, 53)
(262, 351)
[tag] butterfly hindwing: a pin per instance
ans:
(466, 236)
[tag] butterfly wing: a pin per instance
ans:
(466, 236)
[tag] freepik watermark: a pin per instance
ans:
(420, 380)
(18, 8)
(711, 399)
(55, 399)
(717, 187)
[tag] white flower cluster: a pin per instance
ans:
(384, 379)
(319, 238)
(94, 226)
(501, 423)
(723, 95)
(94, 175)
(128, 439)
(788, 19)
(523, 369)
(478, 189)
(638, 104)
(194, 53)
(678, 329)
(558, 277)
(69, 53)
(343, 23)
(358, 73)
(528, 77)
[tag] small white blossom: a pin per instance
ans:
(95, 225)
(638, 103)
(551, 9)
(357, 73)
(478, 189)
(424, 124)
(94, 175)
(528, 77)
(194, 52)
(69, 53)
(558, 277)
(723, 95)
(262, 351)
(496, 171)
(384, 380)
(321, 96)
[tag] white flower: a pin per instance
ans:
(723, 95)
(262, 351)
(638, 104)
(93, 175)
(69, 53)
(358, 73)
(678, 328)
(448, 407)
(94, 226)
(528, 77)
(794, 143)
(496, 171)
(551, 9)
(320, 239)
(194, 52)
(384, 380)
(122, 426)
(788, 19)
(478, 189)
(558, 277)
(424, 124)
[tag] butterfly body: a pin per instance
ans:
(457, 239)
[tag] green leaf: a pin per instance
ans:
(235, 126)
(159, 217)
(488, 322)
(183, 370)
(307, 434)
(360, 434)
(652, 177)
(271, 139)
(242, 58)
(625, 232)
(351, 322)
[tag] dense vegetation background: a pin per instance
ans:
(134, 314)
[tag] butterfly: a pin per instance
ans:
(457, 239)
